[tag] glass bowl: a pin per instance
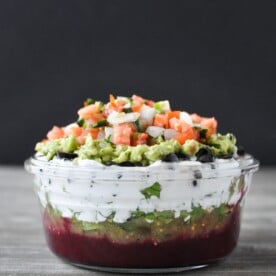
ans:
(166, 217)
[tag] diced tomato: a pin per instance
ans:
(196, 134)
(118, 108)
(89, 111)
(180, 137)
(149, 103)
(137, 100)
(174, 123)
(136, 108)
(55, 133)
(184, 136)
(73, 130)
(132, 126)
(196, 118)
(189, 133)
(139, 139)
(81, 139)
(185, 130)
(210, 124)
(178, 125)
(93, 132)
(115, 105)
(173, 114)
(137, 103)
(107, 111)
(112, 100)
(89, 131)
(161, 120)
(94, 118)
(122, 134)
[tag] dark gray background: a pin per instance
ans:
(216, 58)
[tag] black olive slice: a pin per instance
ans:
(205, 155)
(171, 157)
(66, 155)
(241, 150)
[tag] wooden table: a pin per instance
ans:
(23, 250)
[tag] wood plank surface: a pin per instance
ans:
(23, 250)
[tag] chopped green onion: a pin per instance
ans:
(100, 124)
(202, 131)
(108, 139)
(127, 110)
(138, 126)
(81, 122)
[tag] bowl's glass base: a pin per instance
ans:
(140, 270)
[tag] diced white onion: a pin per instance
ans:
(155, 131)
(162, 106)
(184, 116)
(116, 118)
(101, 135)
(166, 106)
(169, 133)
(109, 133)
(124, 99)
(146, 116)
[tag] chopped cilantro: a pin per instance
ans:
(221, 212)
(149, 216)
(138, 213)
(165, 216)
(89, 101)
(90, 226)
(153, 190)
(51, 210)
(197, 213)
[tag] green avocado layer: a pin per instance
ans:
(105, 152)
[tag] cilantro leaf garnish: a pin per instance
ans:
(153, 190)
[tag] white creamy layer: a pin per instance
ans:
(92, 192)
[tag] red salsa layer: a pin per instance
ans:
(183, 249)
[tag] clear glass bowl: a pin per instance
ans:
(166, 217)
